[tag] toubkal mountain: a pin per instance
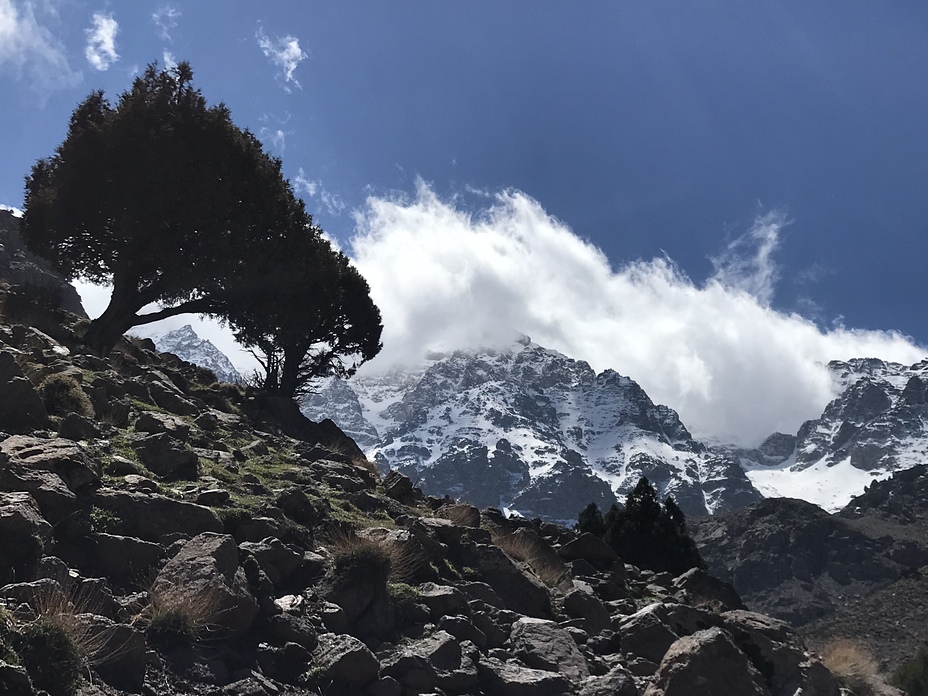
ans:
(529, 429)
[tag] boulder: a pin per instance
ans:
(544, 645)
(206, 571)
(167, 457)
(121, 559)
(55, 500)
(21, 408)
(14, 680)
(150, 517)
(520, 591)
(644, 634)
(590, 548)
(344, 658)
(500, 678)
(24, 533)
(75, 427)
(276, 559)
(708, 663)
(581, 602)
(68, 459)
(616, 682)
(703, 589)
(154, 423)
(442, 600)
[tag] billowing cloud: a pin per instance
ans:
(165, 18)
(168, 58)
(331, 202)
(101, 41)
(285, 53)
(29, 51)
(732, 366)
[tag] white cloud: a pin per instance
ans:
(166, 19)
(285, 53)
(733, 367)
(101, 41)
(16, 211)
(168, 59)
(29, 51)
(331, 202)
(747, 262)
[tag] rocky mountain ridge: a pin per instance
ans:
(280, 563)
(185, 342)
(529, 429)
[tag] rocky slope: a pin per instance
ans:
(858, 573)
(191, 537)
(529, 429)
(185, 343)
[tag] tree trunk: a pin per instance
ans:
(106, 330)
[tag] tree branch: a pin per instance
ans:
(201, 306)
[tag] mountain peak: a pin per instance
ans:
(187, 344)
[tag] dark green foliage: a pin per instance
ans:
(159, 196)
(171, 628)
(648, 534)
(591, 520)
(912, 677)
(50, 656)
(302, 309)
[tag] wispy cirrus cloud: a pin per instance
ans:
(165, 18)
(100, 51)
(733, 366)
(286, 54)
(331, 202)
(30, 52)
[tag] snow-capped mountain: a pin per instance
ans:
(186, 344)
(529, 429)
(876, 426)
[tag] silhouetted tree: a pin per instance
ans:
(591, 520)
(304, 311)
(650, 535)
(158, 196)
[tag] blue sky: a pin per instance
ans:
(777, 149)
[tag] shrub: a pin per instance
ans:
(912, 677)
(174, 619)
(63, 394)
(531, 550)
(853, 666)
(374, 560)
(51, 657)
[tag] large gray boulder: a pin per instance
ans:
(616, 682)
(150, 517)
(344, 658)
(65, 458)
(521, 591)
(206, 573)
(544, 645)
(24, 533)
(512, 679)
(708, 663)
(21, 408)
(167, 457)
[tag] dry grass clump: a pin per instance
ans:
(381, 560)
(63, 394)
(177, 618)
(540, 557)
(853, 665)
(461, 514)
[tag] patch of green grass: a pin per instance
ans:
(51, 657)
(103, 521)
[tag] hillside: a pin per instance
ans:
(165, 533)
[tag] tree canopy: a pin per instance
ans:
(157, 196)
(165, 198)
(644, 532)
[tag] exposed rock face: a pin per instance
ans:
(791, 559)
(529, 429)
(21, 267)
